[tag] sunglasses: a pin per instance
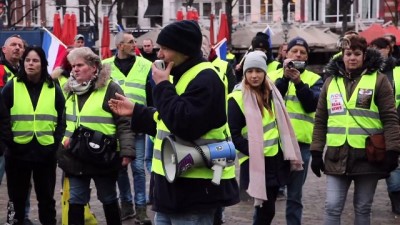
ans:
(146, 46)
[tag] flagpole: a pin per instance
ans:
(53, 36)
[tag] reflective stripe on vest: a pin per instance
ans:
(341, 125)
(92, 115)
(396, 82)
(302, 122)
(134, 85)
(218, 134)
(271, 133)
(27, 121)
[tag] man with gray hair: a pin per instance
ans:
(133, 73)
(12, 51)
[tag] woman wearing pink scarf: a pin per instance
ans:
(262, 133)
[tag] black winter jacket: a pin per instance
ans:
(200, 108)
(33, 151)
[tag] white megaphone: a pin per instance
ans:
(178, 157)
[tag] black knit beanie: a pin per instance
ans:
(298, 41)
(182, 36)
(261, 40)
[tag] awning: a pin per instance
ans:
(154, 9)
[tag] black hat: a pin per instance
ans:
(182, 36)
(261, 40)
(298, 41)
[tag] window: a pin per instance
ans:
(244, 10)
(131, 22)
(369, 9)
(35, 16)
(106, 9)
(206, 10)
(84, 13)
(263, 11)
(269, 10)
(218, 7)
(314, 10)
(334, 9)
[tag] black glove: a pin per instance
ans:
(317, 164)
(391, 161)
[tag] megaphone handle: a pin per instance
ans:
(217, 174)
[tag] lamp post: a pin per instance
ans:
(285, 33)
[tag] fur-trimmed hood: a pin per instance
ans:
(388, 64)
(373, 62)
(101, 81)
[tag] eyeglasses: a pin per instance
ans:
(146, 46)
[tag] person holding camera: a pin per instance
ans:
(300, 89)
(97, 142)
(356, 105)
(192, 107)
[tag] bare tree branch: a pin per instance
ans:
(111, 8)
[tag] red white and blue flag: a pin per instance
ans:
(221, 48)
(55, 50)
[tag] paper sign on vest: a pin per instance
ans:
(337, 105)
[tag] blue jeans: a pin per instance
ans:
(194, 218)
(336, 193)
(393, 182)
(139, 176)
(2, 168)
(80, 189)
(148, 157)
(294, 206)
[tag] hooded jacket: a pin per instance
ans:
(123, 133)
(345, 160)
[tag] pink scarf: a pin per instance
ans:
(290, 146)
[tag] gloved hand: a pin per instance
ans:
(391, 160)
(317, 164)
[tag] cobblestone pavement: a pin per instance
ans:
(241, 214)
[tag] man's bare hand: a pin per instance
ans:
(121, 105)
(161, 75)
(126, 161)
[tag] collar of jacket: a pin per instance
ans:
(388, 64)
(178, 71)
(373, 62)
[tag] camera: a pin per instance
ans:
(160, 64)
(298, 65)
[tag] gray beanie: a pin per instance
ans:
(256, 59)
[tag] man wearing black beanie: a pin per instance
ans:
(193, 108)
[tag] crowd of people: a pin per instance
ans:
(96, 118)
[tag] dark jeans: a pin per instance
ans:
(264, 215)
(19, 175)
